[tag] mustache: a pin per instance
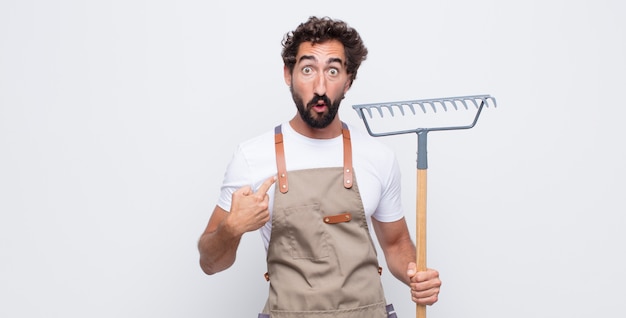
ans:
(318, 98)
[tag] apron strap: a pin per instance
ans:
(347, 157)
(283, 183)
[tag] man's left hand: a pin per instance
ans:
(424, 285)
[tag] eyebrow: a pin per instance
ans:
(330, 60)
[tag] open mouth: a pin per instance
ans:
(319, 104)
(320, 107)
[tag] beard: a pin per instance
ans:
(310, 116)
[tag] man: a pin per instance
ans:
(298, 185)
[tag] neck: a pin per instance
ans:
(331, 131)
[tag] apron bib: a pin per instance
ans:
(321, 258)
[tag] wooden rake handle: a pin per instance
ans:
(420, 230)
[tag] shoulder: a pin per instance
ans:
(370, 147)
(258, 141)
(253, 160)
(259, 148)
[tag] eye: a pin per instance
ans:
(307, 70)
(333, 72)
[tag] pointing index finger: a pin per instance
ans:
(265, 186)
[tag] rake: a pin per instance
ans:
(469, 108)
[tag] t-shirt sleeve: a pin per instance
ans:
(236, 176)
(390, 206)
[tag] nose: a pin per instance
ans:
(320, 86)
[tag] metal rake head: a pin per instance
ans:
(434, 114)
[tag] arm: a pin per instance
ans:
(220, 240)
(399, 251)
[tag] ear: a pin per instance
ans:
(287, 75)
(347, 86)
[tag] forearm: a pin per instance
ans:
(398, 257)
(218, 248)
(396, 243)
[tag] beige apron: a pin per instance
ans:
(321, 259)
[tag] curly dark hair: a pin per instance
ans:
(319, 30)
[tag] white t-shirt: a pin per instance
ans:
(375, 168)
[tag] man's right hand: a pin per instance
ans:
(249, 210)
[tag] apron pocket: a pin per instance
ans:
(311, 226)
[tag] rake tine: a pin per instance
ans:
(387, 107)
(443, 105)
(432, 105)
(495, 104)
(412, 108)
(463, 103)
(484, 101)
(475, 102)
(422, 107)
(456, 107)
(380, 111)
(390, 108)
(401, 108)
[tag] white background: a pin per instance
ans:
(117, 119)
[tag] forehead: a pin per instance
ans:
(331, 49)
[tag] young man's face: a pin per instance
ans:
(319, 81)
